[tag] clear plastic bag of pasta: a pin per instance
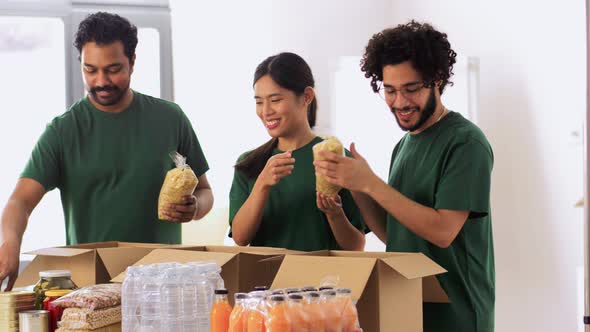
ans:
(331, 144)
(179, 182)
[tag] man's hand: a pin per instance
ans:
(9, 261)
(183, 212)
(353, 173)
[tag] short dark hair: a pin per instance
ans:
(291, 72)
(106, 28)
(427, 49)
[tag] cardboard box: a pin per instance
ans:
(389, 287)
(90, 263)
(242, 268)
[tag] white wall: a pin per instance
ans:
(532, 56)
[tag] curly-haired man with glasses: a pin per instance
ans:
(437, 198)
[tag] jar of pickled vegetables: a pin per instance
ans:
(52, 280)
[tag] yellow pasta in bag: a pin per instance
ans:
(179, 182)
(331, 144)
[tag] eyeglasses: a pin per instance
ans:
(408, 90)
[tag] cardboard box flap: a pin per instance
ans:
(116, 260)
(371, 254)
(61, 252)
(318, 253)
(247, 249)
(432, 291)
(349, 272)
(277, 258)
(145, 245)
(413, 265)
(180, 256)
(93, 245)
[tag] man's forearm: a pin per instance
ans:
(204, 202)
(373, 215)
(422, 220)
(14, 222)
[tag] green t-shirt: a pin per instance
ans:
(291, 218)
(448, 166)
(109, 168)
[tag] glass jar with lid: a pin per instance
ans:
(52, 280)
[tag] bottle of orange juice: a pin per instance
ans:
(220, 312)
(256, 312)
(300, 321)
(239, 316)
(350, 319)
(278, 319)
(313, 309)
(331, 311)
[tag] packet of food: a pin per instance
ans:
(93, 297)
(331, 144)
(179, 182)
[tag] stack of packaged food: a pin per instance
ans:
(95, 308)
(11, 303)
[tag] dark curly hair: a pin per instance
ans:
(106, 28)
(428, 50)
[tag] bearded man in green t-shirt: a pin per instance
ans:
(437, 197)
(108, 155)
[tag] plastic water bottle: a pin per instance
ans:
(171, 299)
(204, 294)
(150, 300)
(188, 309)
(212, 272)
(131, 298)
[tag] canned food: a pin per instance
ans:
(33, 321)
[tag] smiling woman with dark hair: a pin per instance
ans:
(273, 201)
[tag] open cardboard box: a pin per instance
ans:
(90, 263)
(389, 287)
(242, 268)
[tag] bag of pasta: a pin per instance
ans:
(179, 182)
(331, 144)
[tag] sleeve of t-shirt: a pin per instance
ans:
(44, 163)
(465, 182)
(238, 194)
(190, 147)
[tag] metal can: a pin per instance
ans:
(33, 321)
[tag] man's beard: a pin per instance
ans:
(118, 94)
(425, 113)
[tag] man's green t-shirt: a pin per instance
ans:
(448, 166)
(291, 218)
(109, 168)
